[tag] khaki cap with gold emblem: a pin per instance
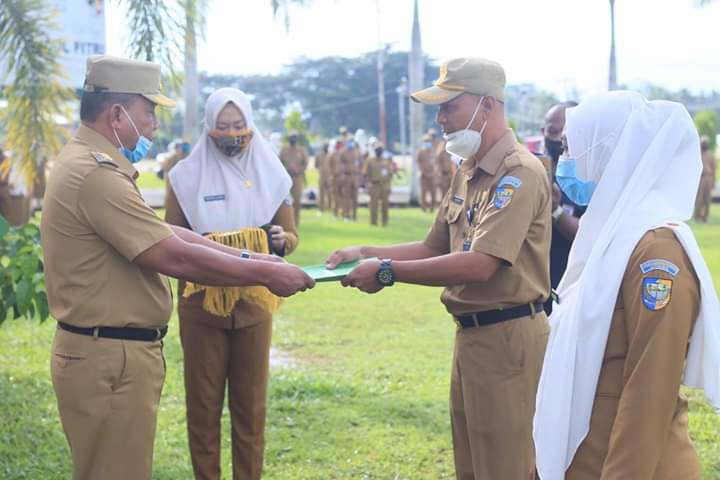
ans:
(464, 75)
(121, 75)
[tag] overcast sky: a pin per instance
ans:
(557, 44)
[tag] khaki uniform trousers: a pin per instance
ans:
(495, 374)
(427, 189)
(704, 198)
(239, 357)
(325, 194)
(349, 197)
(296, 192)
(108, 393)
(379, 202)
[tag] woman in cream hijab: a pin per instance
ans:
(637, 313)
(231, 184)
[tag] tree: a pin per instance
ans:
(35, 95)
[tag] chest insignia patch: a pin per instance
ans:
(660, 265)
(214, 198)
(505, 190)
(656, 292)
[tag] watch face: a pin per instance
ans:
(385, 276)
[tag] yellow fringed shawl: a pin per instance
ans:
(221, 300)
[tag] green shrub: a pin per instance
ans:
(21, 273)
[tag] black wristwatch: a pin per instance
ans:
(385, 275)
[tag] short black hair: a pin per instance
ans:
(92, 104)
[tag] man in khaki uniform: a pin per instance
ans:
(489, 247)
(350, 169)
(338, 176)
(707, 182)
(102, 246)
(426, 163)
(445, 168)
(379, 173)
(295, 159)
(325, 189)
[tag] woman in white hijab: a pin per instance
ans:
(636, 292)
(231, 184)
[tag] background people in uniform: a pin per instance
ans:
(489, 248)
(707, 182)
(635, 292)
(325, 180)
(295, 160)
(426, 163)
(106, 254)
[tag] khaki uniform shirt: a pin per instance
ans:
(351, 164)
(322, 163)
(498, 205)
(638, 427)
(94, 224)
(294, 159)
(426, 162)
(379, 170)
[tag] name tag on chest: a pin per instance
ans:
(214, 198)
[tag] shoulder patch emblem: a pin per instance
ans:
(656, 292)
(458, 200)
(103, 158)
(659, 264)
(505, 190)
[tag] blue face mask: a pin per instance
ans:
(578, 191)
(142, 147)
(427, 145)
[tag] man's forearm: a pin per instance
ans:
(192, 237)
(458, 268)
(210, 266)
(406, 251)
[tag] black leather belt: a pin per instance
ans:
(118, 333)
(489, 317)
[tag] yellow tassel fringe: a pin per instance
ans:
(221, 300)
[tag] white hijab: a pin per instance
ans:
(645, 158)
(211, 187)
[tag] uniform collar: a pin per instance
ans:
(97, 142)
(490, 163)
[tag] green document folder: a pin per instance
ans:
(321, 274)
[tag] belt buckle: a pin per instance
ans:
(158, 334)
(475, 319)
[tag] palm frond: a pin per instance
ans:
(35, 94)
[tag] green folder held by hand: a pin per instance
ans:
(321, 274)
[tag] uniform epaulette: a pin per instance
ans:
(104, 159)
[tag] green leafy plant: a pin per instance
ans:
(21, 273)
(707, 125)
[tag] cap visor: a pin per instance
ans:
(435, 95)
(161, 100)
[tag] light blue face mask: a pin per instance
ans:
(142, 147)
(578, 191)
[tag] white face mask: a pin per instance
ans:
(465, 143)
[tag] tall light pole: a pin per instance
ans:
(381, 78)
(402, 91)
(612, 75)
(416, 76)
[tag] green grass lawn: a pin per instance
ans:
(366, 398)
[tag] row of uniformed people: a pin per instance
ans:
(630, 272)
